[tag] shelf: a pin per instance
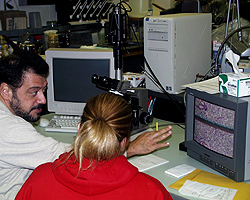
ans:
(60, 28)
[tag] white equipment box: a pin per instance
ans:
(177, 47)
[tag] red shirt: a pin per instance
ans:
(115, 179)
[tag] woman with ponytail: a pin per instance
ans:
(95, 168)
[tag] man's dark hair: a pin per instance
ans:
(14, 67)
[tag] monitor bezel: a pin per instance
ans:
(199, 152)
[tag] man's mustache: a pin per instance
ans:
(39, 106)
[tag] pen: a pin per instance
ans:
(151, 107)
(156, 126)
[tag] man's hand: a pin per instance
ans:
(148, 142)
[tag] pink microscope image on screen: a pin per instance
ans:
(214, 127)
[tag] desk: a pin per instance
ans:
(171, 153)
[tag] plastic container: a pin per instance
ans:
(27, 46)
(101, 34)
(46, 36)
(53, 41)
(38, 44)
(4, 50)
(150, 12)
(3, 47)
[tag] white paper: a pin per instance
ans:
(147, 162)
(210, 86)
(234, 59)
(206, 191)
(180, 170)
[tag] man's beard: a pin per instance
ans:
(15, 105)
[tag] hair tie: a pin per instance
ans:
(100, 118)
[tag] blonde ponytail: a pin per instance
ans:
(106, 121)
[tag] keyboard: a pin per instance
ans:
(63, 123)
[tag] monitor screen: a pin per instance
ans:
(214, 127)
(73, 84)
(70, 79)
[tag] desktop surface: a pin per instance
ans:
(171, 153)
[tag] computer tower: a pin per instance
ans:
(177, 47)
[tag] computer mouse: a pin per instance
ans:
(43, 122)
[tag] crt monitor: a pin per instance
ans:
(70, 77)
(217, 132)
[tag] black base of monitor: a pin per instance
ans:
(182, 147)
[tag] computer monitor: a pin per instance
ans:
(217, 132)
(70, 77)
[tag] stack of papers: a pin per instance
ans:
(180, 170)
(210, 86)
(206, 191)
(147, 162)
